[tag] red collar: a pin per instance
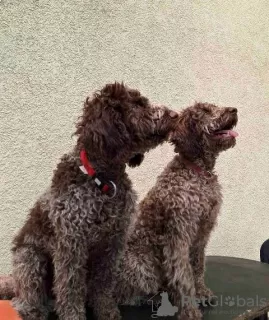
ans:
(88, 169)
(196, 168)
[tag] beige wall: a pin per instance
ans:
(55, 52)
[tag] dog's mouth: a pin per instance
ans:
(226, 131)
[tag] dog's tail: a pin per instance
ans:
(7, 287)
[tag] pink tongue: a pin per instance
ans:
(229, 133)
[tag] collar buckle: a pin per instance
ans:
(87, 169)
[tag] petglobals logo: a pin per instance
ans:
(230, 301)
(162, 307)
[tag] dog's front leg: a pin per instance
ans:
(102, 287)
(180, 281)
(70, 260)
(197, 258)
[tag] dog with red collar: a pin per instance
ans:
(73, 235)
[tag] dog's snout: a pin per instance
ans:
(232, 110)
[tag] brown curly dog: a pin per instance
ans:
(75, 230)
(166, 239)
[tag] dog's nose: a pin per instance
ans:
(233, 110)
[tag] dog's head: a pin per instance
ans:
(204, 128)
(120, 125)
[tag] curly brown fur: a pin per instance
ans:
(74, 232)
(167, 236)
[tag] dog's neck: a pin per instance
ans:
(104, 168)
(206, 162)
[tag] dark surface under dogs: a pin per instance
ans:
(241, 287)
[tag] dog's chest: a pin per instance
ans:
(209, 189)
(92, 213)
(117, 213)
(207, 192)
(201, 197)
(112, 216)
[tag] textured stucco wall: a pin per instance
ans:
(53, 53)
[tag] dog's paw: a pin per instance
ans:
(190, 314)
(108, 314)
(114, 315)
(204, 294)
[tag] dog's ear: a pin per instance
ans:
(186, 137)
(101, 129)
(136, 160)
(106, 137)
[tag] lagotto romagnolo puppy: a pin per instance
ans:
(73, 234)
(167, 236)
